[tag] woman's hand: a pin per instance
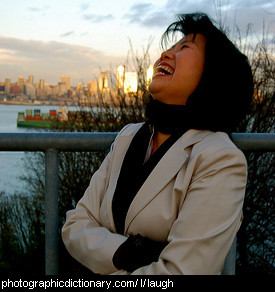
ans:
(136, 252)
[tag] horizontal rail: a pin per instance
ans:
(255, 141)
(75, 141)
(68, 141)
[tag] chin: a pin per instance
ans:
(151, 88)
(155, 89)
(160, 99)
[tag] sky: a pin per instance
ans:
(51, 38)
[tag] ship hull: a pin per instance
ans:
(37, 124)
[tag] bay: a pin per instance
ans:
(11, 163)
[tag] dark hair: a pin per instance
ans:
(225, 91)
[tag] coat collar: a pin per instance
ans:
(164, 171)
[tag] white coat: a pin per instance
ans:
(193, 199)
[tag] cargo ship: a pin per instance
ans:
(34, 119)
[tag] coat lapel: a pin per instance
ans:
(121, 146)
(164, 171)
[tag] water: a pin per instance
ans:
(11, 163)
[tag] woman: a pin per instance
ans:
(168, 197)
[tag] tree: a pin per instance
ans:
(256, 237)
(115, 109)
(255, 248)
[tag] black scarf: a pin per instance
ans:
(196, 114)
(168, 118)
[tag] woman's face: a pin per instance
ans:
(178, 71)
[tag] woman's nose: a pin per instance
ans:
(169, 54)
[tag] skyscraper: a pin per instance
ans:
(31, 79)
(21, 83)
(103, 81)
(7, 86)
(66, 80)
(41, 84)
(131, 82)
(120, 76)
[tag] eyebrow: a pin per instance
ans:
(188, 41)
(185, 41)
(181, 43)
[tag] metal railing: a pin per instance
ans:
(51, 143)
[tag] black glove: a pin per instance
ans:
(136, 252)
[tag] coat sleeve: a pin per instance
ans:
(85, 239)
(208, 220)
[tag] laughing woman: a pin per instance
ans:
(168, 197)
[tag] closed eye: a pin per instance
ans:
(184, 46)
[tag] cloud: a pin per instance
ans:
(84, 6)
(157, 19)
(146, 15)
(253, 3)
(149, 15)
(66, 34)
(38, 9)
(34, 9)
(97, 18)
(138, 12)
(50, 60)
(240, 12)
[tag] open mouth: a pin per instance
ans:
(163, 69)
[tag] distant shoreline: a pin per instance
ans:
(52, 103)
(28, 103)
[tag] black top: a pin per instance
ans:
(134, 171)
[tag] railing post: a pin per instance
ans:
(51, 212)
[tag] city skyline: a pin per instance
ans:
(28, 91)
(80, 39)
(122, 77)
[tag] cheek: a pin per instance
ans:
(191, 70)
(188, 77)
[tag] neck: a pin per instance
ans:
(158, 140)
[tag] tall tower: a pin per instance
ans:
(131, 82)
(7, 86)
(31, 79)
(67, 81)
(41, 84)
(21, 83)
(103, 81)
(120, 76)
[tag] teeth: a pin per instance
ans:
(159, 73)
(166, 68)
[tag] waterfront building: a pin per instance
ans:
(67, 81)
(120, 76)
(15, 89)
(41, 84)
(7, 86)
(30, 80)
(131, 82)
(30, 90)
(21, 83)
(2, 87)
(103, 83)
